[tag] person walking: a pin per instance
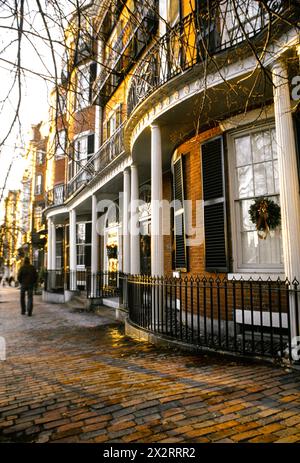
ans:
(27, 278)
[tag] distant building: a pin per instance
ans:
(9, 232)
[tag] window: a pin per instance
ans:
(241, 18)
(60, 144)
(59, 248)
(38, 184)
(61, 100)
(83, 89)
(173, 7)
(256, 175)
(38, 214)
(40, 155)
(84, 149)
(83, 243)
(85, 78)
(81, 151)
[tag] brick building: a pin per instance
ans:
(167, 100)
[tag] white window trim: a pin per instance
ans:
(59, 150)
(83, 104)
(240, 270)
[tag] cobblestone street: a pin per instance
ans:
(75, 377)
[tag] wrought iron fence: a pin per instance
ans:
(248, 317)
(195, 38)
(102, 285)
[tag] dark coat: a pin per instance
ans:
(27, 275)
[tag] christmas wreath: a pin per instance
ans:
(265, 214)
(112, 251)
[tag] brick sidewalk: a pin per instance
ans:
(75, 377)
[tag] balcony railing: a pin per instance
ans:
(56, 196)
(139, 27)
(194, 39)
(80, 179)
(111, 149)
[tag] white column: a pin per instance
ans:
(95, 247)
(157, 243)
(72, 249)
(49, 243)
(53, 246)
(288, 176)
(126, 234)
(134, 223)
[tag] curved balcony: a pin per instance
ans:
(128, 45)
(198, 38)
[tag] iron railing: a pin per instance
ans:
(81, 178)
(100, 285)
(132, 39)
(103, 285)
(56, 196)
(111, 149)
(54, 281)
(194, 39)
(255, 318)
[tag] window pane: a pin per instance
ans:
(276, 177)
(274, 143)
(245, 182)
(270, 249)
(243, 151)
(246, 224)
(261, 146)
(260, 180)
(250, 247)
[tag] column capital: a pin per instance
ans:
(154, 126)
(279, 67)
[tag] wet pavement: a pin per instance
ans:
(75, 377)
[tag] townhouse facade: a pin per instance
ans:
(193, 104)
(9, 233)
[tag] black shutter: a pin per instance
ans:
(214, 205)
(91, 144)
(179, 219)
(93, 75)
